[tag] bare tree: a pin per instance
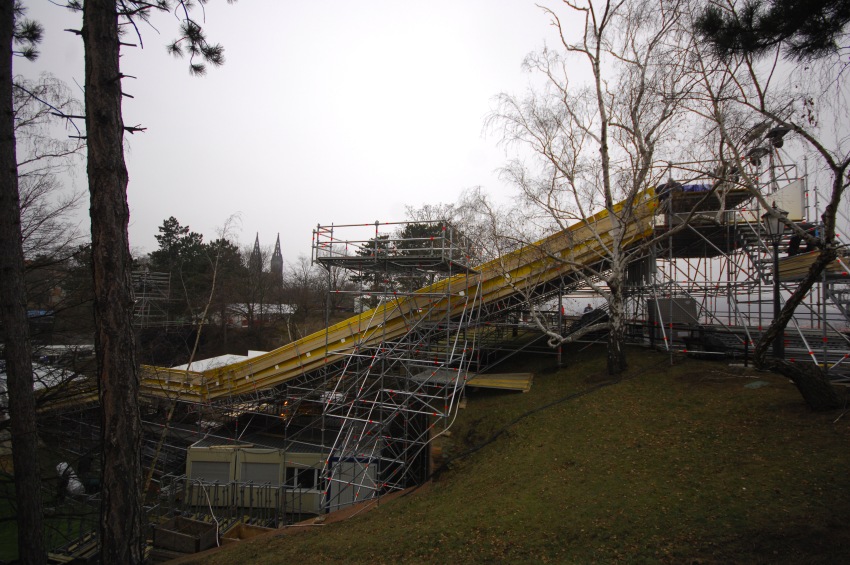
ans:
(760, 99)
(257, 289)
(468, 216)
(336, 284)
(594, 144)
(46, 205)
(303, 285)
(50, 233)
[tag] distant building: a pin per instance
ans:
(255, 261)
(276, 265)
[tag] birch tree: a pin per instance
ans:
(611, 92)
(46, 204)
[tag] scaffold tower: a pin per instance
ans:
(151, 295)
(390, 395)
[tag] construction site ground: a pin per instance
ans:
(678, 461)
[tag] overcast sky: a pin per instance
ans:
(325, 111)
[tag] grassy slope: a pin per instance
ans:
(677, 463)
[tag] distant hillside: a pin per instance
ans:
(693, 462)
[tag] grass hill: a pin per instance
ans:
(681, 461)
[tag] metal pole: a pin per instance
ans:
(823, 321)
(560, 320)
(778, 342)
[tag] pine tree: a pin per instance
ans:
(807, 28)
(13, 316)
(121, 520)
(183, 254)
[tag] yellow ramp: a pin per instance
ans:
(562, 253)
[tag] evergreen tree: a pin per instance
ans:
(807, 28)
(372, 278)
(121, 533)
(230, 278)
(426, 241)
(183, 254)
(13, 316)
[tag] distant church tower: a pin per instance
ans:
(276, 266)
(255, 262)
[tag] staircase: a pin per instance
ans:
(838, 291)
(754, 242)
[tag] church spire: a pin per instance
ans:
(255, 262)
(276, 265)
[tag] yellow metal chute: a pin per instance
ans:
(584, 244)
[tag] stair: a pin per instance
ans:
(838, 291)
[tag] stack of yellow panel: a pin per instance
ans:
(504, 381)
(795, 267)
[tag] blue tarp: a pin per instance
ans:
(696, 188)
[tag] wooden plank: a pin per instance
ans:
(796, 267)
(505, 381)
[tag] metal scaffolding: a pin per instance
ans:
(358, 425)
(151, 295)
(351, 410)
(708, 289)
(389, 396)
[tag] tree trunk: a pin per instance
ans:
(617, 334)
(118, 380)
(811, 381)
(13, 316)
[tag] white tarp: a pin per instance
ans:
(790, 198)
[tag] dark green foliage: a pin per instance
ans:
(808, 29)
(26, 34)
(375, 248)
(196, 45)
(191, 39)
(229, 280)
(425, 240)
(182, 253)
(213, 286)
(192, 265)
(177, 247)
(421, 239)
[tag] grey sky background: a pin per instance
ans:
(325, 111)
